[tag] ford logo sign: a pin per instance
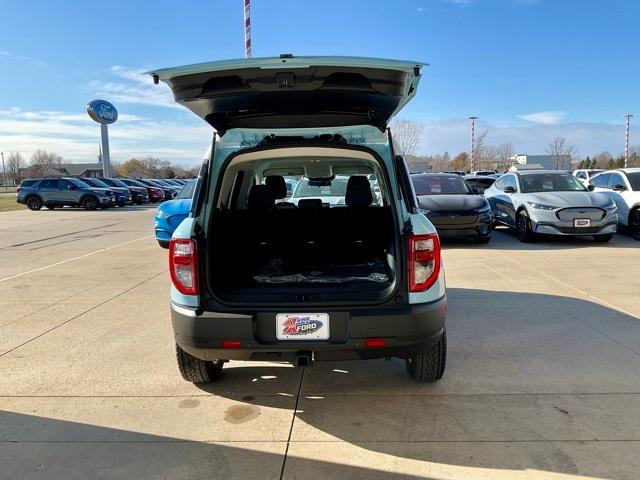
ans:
(102, 111)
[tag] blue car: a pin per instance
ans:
(170, 213)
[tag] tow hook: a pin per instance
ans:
(304, 359)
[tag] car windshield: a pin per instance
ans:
(439, 185)
(634, 180)
(79, 183)
(550, 182)
(117, 182)
(318, 189)
(187, 191)
(98, 183)
(136, 183)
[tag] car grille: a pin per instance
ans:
(578, 230)
(569, 214)
(452, 219)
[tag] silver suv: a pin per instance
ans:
(60, 192)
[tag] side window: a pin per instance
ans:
(510, 181)
(63, 184)
(616, 179)
(581, 175)
(601, 180)
(49, 184)
(501, 183)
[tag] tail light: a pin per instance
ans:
(183, 264)
(424, 261)
(18, 189)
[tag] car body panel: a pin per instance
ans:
(171, 213)
(626, 200)
(294, 91)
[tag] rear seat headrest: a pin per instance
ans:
(310, 203)
(260, 198)
(277, 185)
(358, 192)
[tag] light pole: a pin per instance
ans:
(626, 139)
(473, 142)
(247, 28)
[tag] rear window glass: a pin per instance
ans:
(439, 185)
(634, 180)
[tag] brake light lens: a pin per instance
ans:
(424, 261)
(183, 264)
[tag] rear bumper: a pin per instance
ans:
(405, 330)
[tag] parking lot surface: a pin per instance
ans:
(542, 379)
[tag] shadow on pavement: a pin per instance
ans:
(516, 362)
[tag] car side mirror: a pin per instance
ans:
(509, 189)
(619, 187)
(591, 188)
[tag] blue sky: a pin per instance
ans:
(530, 69)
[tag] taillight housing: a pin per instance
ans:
(183, 264)
(424, 261)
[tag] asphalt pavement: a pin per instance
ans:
(542, 379)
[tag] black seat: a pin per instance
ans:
(358, 192)
(278, 187)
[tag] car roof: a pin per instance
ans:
(436, 174)
(533, 172)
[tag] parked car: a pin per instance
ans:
(122, 194)
(256, 280)
(168, 192)
(170, 214)
(328, 191)
(584, 174)
(551, 202)
(482, 173)
(139, 195)
(59, 192)
(480, 183)
(454, 208)
(623, 187)
(156, 194)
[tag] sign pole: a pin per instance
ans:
(106, 159)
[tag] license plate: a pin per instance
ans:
(302, 326)
(581, 222)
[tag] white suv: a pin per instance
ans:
(623, 186)
(585, 174)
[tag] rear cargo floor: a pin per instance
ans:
(277, 272)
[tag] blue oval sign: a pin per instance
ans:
(102, 111)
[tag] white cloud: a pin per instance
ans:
(134, 87)
(546, 118)
(23, 58)
(76, 136)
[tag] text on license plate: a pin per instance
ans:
(581, 222)
(302, 326)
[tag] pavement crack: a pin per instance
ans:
(293, 420)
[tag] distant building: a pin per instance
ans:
(520, 167)
(547, 162)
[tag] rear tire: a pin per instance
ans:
(634, 223)
(523, 227)
(195, 370)
(427, 367)
(33, 203)
(89, 203)
(603, 238)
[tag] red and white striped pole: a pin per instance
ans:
(247, 28)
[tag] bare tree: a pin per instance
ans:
(561, 152)
(15, 164)
(41, 161)
(407, 135)
(505, 152)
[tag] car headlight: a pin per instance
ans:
(611, 207)
(161, 214)
(541, 206)
(484, 209)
